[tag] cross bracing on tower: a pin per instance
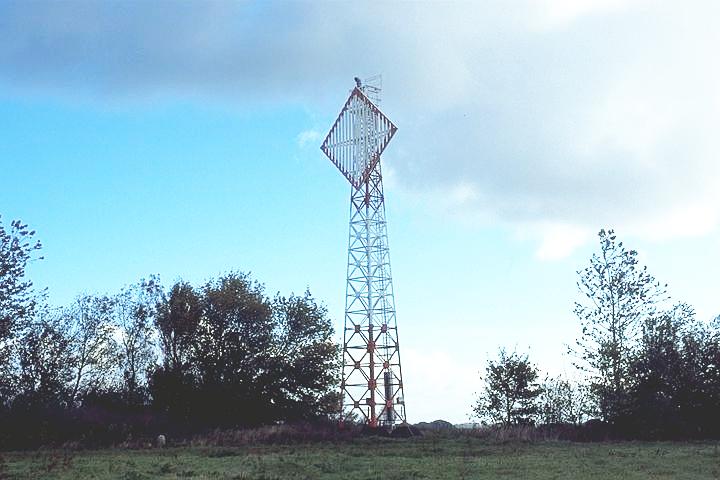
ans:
(372, 384)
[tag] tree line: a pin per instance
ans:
(224, 354)
(220, 355)
(647, 366)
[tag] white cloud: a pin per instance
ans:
(578, 114)
(308, 137)
(462, 193)
(695, 219)
(559, 13)
(559, 241)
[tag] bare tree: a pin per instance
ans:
(94, 350)
(564, 401)
(618, 296)
(134, 310)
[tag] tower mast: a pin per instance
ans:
(372, 384)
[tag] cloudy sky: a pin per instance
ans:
(181, 138)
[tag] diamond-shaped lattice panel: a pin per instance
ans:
(358, 137)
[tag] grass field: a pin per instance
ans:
(368, 458)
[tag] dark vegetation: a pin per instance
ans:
(111, 368)
(650, 368)
(222, 359)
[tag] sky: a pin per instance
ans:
(182, 139)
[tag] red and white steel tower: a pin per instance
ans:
(372, 383)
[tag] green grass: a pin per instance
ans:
(367, 458)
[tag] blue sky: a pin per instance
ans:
(183, 140)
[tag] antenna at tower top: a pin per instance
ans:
(372, 88)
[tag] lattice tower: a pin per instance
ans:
(372, 384)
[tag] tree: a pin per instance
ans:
(563, 401)
(173, 385)
(17, 300)
(702, 369)
(233, 356)
(44, 355)
(511, 390)
(618, 295)
(306, 371)
(675, 378)
(94, 350)
(134, 310)
(177, 320)
(233, 350)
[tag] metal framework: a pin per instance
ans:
(372, 384)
